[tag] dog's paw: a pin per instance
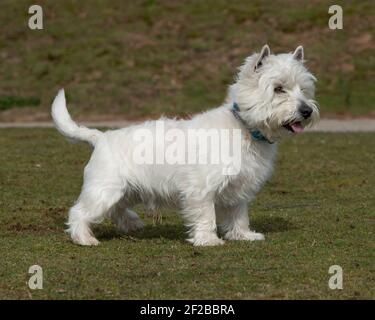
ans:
(243, 235)
(134, 225)
(86, 241)
(81, 234)
(129, 222)
(131, 225)
(206, 239)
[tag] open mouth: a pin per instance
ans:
(295, 127)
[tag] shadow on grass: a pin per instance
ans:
(271, 224)
(166, 231)
(178, 231)
(170, 231)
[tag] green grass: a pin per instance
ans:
(317, 211)
(7, 102)
(140, 58)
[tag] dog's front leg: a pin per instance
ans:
(200, 218)
(234, 221)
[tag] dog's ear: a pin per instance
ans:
(298, 54)
(263, 54)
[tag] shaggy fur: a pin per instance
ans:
(275, 96)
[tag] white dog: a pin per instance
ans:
(273, 96)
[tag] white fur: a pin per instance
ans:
(113, 182)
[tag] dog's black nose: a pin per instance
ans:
(305, 110)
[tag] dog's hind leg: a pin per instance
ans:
(102, 189)
(234, 222)
(125, 219)
(92, 206)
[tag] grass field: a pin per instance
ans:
(141, 58)
(318, 210)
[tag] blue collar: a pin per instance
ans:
(255, 133)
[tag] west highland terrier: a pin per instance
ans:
(152, 163)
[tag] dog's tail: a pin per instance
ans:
(66, 126)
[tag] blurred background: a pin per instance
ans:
(128, 60)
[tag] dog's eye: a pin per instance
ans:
(279, 89)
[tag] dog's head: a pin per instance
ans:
(275, 93)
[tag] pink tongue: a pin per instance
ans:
(297, 127)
